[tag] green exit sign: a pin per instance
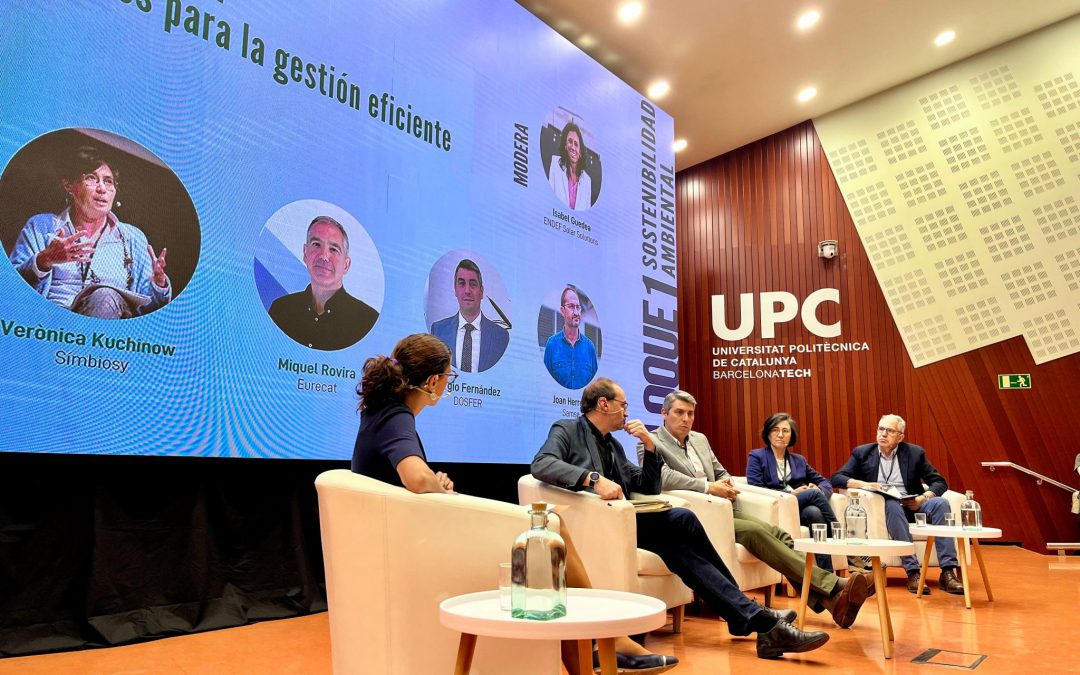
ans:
(1014, 381)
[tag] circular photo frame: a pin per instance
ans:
(97, 224)
(568, 153)
(463, 289)
(569, 333)
(319, 275)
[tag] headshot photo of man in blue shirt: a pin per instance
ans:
(569, 355)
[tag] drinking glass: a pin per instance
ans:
(820, 531)
(837, 531)
(504, 586)
(950, 520)
(920, 520)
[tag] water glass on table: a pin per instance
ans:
(920, 520)
(504, 587)
(950, 520)
(838, 531)
(820, 531)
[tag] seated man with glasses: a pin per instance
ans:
(581, 454)
(892, 463)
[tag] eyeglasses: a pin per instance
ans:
(887, 430)
(451, 376)
(92, 180)
(572, 307)
(624, 403)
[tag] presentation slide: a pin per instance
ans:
(213, 211)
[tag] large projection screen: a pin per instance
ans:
(206, 137)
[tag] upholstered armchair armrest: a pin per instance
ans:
(955, 499)
(604, 532)
(839, 501)
(761, 506)
(787, 506)
(716, 516)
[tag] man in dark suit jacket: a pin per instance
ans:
(581, 454)
(473, 348)
(893, 463)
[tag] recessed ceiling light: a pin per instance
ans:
(630, 12)
(944, 38)
(808, 19)
(658, 89)
(586, 41)
(807, 94)
(679, 145)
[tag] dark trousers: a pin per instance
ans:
(814, 508)
(679, 539)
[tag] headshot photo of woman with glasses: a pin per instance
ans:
(83, 257)
(98, 224)
(777, 468)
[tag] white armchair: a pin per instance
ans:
(875, 521)
(605, 535)
(392, 556)
(715, 514)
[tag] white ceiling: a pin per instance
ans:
(735, 66)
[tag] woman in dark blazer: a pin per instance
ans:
(777, 468)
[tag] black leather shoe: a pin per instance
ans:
(950, 583)
(788, 615)
(638, 664)
(787, 638)
(913, 584)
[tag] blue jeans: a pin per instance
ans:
(897, 519)
(679, 539)
(814, 508)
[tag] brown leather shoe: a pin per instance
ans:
(850, 600)
(913, 583)
(949, 582)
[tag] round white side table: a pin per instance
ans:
(931, 531)
(591, 614)
(874, 549)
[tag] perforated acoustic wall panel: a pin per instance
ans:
(962, 186)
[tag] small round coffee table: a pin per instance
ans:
(956, 532)
(870, 548)
(591, 614)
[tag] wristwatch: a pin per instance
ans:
(592, 477)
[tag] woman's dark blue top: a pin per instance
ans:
(387, 436)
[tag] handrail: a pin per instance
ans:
(1039, 478)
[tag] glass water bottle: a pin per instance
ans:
(970, 513)
(538, 574)
(855, 520)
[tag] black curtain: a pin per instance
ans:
(101, 551)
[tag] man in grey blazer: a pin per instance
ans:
(691, 464)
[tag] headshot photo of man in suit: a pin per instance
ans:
(476, 343)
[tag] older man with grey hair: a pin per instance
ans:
(902, 469)
(691, 464)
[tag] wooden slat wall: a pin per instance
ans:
(749, 221)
